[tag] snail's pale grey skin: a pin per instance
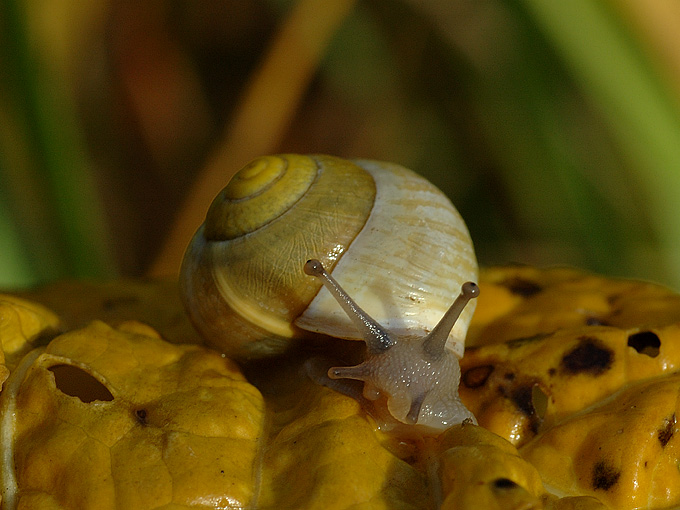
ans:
(394, 240)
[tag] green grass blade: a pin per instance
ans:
(643, 118)
(58, 164)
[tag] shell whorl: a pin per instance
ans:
(250, 275)
(259, 193)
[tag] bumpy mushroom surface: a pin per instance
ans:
(116, 417)
(615, 342)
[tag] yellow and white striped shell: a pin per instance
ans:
(393, 240)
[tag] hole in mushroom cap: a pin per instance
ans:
(645, 342)
(529, 399)
(540, 401)
(477, 376)
(76, 382)
(504, 483)
(141, 416)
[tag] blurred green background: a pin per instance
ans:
(553, 126)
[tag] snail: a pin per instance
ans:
(393, 240)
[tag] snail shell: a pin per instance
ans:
(396, 243)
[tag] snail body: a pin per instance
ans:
(393, 240)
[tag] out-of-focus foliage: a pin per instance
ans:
(554, 128)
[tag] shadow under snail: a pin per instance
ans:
(262, 273)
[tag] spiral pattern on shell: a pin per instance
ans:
(392, 238)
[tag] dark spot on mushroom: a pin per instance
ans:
(518, 342)
(605, 476)
(504, 483)
(645, 342)
(141, 414)
(665, 433)
(589, 356)
(116, 302)
(552, 371)
(613, 298)
(76, 382)
(596, 321)
(509, 376)
(411, 459)
(522, 287)
(477, 376)
(532, 402)
(45, 337)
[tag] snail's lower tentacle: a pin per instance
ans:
(359, 372)
(317, 370)
(414, 411)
